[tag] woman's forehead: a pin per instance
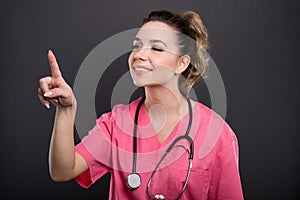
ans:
(157, 24)
(157, 31)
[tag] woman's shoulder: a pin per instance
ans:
(207, 113)
(214, 117)
(126, 108)
(217, 130)
(121, 111)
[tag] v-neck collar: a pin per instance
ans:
(145, 120)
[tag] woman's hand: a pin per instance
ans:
(54, 88)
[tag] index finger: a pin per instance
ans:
(53, 65)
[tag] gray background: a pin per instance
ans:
(254, 44)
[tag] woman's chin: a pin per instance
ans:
(141, 83)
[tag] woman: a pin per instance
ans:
(154, 147)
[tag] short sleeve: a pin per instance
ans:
(226, 182)
(95, 148)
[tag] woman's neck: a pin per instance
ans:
(166, 108)
(171, 101)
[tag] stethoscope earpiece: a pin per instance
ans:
(159, 196)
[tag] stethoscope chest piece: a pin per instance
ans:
(133, 180)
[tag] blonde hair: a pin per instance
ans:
(195, 45)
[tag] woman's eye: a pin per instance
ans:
(155, 48)
(135, 47)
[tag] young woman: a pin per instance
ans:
(161, 146)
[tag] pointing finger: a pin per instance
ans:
(53, 64)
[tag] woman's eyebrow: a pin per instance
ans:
(137, 39)
(151, 41)
(160, 41)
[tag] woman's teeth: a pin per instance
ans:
(141, 69)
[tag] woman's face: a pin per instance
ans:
(154, 57)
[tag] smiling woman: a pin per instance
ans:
(151, 146)
(155, 56)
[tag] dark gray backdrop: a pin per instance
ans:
(254, 44)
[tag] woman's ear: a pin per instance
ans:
(183, 63)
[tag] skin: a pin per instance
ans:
(164, 103)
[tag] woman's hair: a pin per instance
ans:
(195, 45)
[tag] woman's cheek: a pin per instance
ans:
(130, 60)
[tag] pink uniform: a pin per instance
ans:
(109, 148)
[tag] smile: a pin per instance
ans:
(141, 69)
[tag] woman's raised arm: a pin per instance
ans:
(64, 163)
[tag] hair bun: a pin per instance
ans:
(197, 29)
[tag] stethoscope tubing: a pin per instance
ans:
(185, 136)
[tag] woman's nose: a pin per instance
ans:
(142, 54)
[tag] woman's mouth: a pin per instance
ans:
(141, 69)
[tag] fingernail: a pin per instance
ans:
(47, 106)
(49, 51)
(47, 94)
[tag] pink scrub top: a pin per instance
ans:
(109, 148)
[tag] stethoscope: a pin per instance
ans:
(134, 179)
